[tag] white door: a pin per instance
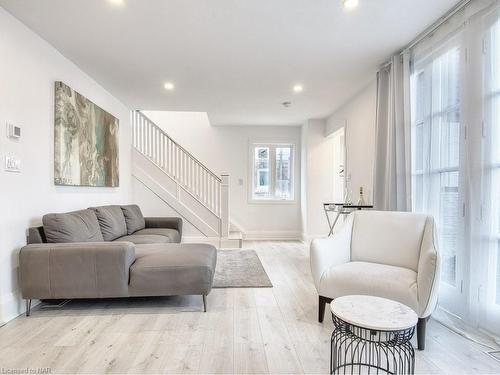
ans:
(339, 172)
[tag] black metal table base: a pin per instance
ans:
(357, 350)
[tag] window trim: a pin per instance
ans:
(272, 164)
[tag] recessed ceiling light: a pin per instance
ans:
(116, 2)
(169, 86)
(298, 88)
(349, 4)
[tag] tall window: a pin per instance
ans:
(272, 172)
(436, 145)
(455, 92)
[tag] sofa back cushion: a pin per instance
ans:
(391, 238)
(111, 221)
(77, 226)
(133, 218)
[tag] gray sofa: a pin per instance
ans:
(112, 251)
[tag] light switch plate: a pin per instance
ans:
(12, 164)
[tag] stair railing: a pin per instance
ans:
(179, 164)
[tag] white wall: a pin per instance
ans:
(318, 175)
(358, 115)
(28, 68)
(226, 150)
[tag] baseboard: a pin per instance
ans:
(308, 238)
(215, 241)
(12, 305)
(272, 236)
(220, 243)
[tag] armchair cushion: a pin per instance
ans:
(391, 238)
(354, 278)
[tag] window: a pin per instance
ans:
(437, 169)
(272, 172)
(492, 154)
(436, 149)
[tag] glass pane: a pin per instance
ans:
(420, 98)
(495, 57)
(418, 193)
(448, 223)
(419, 147)
(497, 296)
(283, 172)
(495, 113)
(261, 173)
(449, 140)
(446, 81)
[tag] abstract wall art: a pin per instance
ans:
(85, 141)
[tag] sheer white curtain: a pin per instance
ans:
(455, 148)
(392, 179)
(490, 204)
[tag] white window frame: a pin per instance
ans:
(272, 172)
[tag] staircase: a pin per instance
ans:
(182, 182)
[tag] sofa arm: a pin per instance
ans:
(75, 270)
(331, 251)
(165, 222)
(428, 272)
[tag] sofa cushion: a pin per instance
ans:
(111, 221)
(133, 218)
(77, 226)
(173, 235)
(172, 269)
(144, 238)
(373, 279)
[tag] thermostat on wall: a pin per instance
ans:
(13, 131)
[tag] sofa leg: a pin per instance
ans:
(321, 307)
(28, 307)
(204, 303)
(421, 326)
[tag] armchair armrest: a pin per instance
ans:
(428, 272)
(165, 222)
(75, 270)
(331, 251)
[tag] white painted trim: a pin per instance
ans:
(250, 177)
(273, 235)
(308, 238)
(220, 243)
(12, 305)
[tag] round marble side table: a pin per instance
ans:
(372, 335)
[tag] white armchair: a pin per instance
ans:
(379, 253)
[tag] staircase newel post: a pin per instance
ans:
(224, 205)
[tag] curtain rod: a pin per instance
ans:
(428, 31)
(457, 8)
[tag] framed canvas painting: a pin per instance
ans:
(85, 141)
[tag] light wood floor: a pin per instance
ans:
(270, 330)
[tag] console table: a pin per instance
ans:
(340, 209)
(372, 334)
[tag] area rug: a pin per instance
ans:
(240, 269)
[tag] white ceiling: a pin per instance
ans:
(235, 59)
